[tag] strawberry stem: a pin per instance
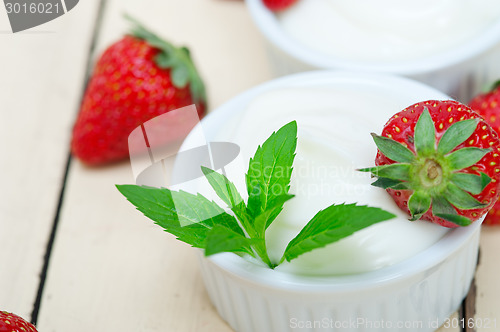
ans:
(177, 59)
(431, 174)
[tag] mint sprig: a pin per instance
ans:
(203, 224)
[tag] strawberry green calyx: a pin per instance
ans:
(492, 87)
(436, 172)
(178, 59)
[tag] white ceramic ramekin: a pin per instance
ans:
(417, 294)
(460, 72)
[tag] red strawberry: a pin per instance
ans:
(488, 106)
(135, 80)
(439, 160)
(13, 323)
(278, 5)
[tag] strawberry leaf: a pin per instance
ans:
(418, 204)
(385, 183)
(392, 171)
(178, 59)
(393, 150)
(494, 86)
(455, 218)
(465, 157)
(459, 198)
(442, 209)
(332, 224)
(180, 76)
(425, 134)
(472, 183)
(456, 134)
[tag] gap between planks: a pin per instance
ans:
(468, 309)
(46, 260)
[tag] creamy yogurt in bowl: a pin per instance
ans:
(333, 142)
(448, 44)
(396, 271)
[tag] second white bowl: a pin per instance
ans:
(461, 72)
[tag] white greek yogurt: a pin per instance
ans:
(334, 126)
(387, 30)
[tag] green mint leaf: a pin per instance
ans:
(225, 189)
(332, 224)
(425, 134)
(223, 239)
(263, 220)
(187, 216)
(254, 200)
(456, 134)
(393, 150)
(270, 169)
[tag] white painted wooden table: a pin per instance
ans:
(73, 255)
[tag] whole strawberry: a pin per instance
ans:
(439, 160)
(136, 79)
(13, 323)
(488, 106)
(278, 5)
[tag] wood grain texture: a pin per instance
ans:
(469, 307)
(111, 268)
(42, 74)
(112, 264)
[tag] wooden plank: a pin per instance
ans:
(111, 269)
(116, 267)
(42, 73)
(487, 309)
(469, 308)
